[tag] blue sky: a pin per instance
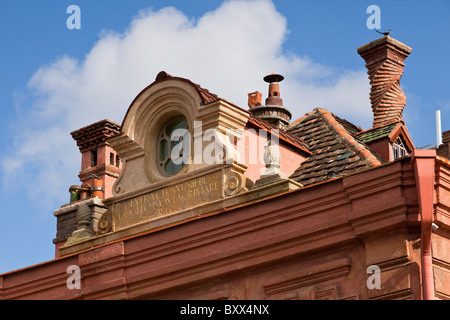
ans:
(54, 80)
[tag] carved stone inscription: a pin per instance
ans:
(168, 200)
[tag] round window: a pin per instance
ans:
(173, 146)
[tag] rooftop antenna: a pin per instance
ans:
(438, 129)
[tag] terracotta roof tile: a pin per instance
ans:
(207, 96)
(333, 145)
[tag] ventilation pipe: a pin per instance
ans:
(438, 129)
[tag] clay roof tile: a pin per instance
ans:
(333, 145)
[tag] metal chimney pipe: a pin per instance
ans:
(438, 129)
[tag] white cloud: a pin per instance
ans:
(227, 51)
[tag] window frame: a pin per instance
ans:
(164, 136)
(399, 148)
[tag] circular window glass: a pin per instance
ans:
(173, 146)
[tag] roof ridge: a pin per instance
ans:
(205, 94)
(348, 138)
(296, 122)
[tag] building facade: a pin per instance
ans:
(193, 197)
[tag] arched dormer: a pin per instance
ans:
(141, 142)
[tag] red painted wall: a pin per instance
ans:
(316, 242)
(251, 149)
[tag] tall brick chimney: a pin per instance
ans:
(384, 61)
(99, 162)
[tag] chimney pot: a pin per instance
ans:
(273, 98)
(254, 99)
(273, 111)
(274, 95)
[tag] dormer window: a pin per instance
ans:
(398, 148)
(390, 141)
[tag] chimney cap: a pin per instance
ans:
(382, 41)
(273, 77)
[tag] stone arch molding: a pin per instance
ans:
(156, 100)
(164, 99)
